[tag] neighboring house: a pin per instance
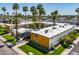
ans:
(9, 27)
(21, 32)
(50, 36)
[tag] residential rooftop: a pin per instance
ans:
(53, 30)
(21, 30)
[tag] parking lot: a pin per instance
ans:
(5, 50)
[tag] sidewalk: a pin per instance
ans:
(2, 39)
(15, 48)
(20, 52)
(66, 51)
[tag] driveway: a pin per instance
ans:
(75, 50)
(6, 51)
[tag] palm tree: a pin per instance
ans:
(25, 9)
(77, 11)
(4, 10)
(34, 15)
(16, 8)
(41, 12)
(54, 16)
(7, 15)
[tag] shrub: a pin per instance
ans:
(10, 39)
(65, 45)
(2, 30)
(66, 41)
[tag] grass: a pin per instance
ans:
(58, 51)
(10, 39)
(27, 49)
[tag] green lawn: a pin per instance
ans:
(27, 49)
(10, 39)
(58, 51)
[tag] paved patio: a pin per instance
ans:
(6, 51)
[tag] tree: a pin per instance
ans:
(68, 18)
(54, 16)
(25, 9)
(20, 15)
(7, 15)
(4, 10)
(16, 8)
(68, 40)
(41, 12)
(34, 15)
(77, 11)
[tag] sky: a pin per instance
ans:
(63, 8)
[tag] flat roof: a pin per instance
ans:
(51, 31)
(30, 22)
(10, 25)
(21, 30)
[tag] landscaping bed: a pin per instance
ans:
(10, 39)
(26, 48)
(58, 51)
(66, 41)
(2, 30)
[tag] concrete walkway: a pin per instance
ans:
(6, 50)
(20, 52)
(68, 50)
(2, 39)
(15, 48)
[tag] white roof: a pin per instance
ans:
(10, 24)
(21, 30)
(27, 22)
(52, 32)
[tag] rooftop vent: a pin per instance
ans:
(62, 26)
(46, 31)
(54, 28)
(65, 24)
